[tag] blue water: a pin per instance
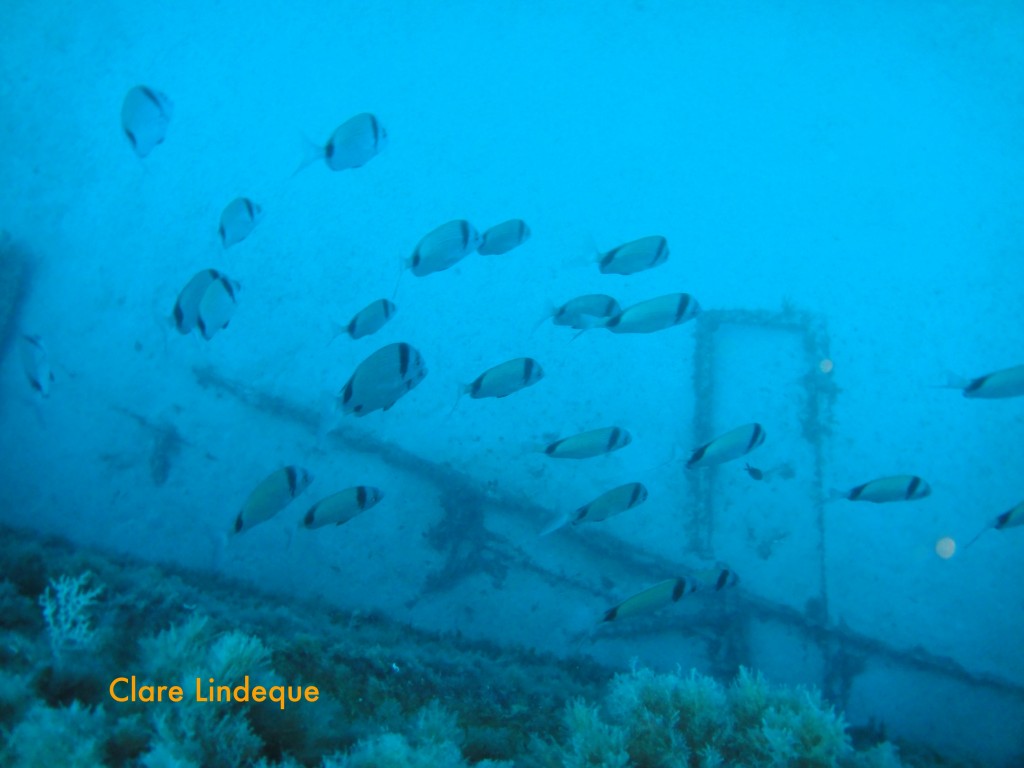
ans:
(862, 163)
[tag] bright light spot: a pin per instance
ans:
(825, 366)
(945, 548)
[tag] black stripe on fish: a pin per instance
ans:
(464, 230)
(581, 514)
(230, 289)
(248, 207)
(697, 455)
(856, 492)
(310, 515)
(329, 149)
(613, 438)
(35, 384)
(293, 480)
(614, 321)
(131, 138)
(662, 245)
(220, 230)
(755, 435)
(678, 590)
(976, 384)
(608, 257)
(635, 496)
(915, 482)
(416, 258)
(684, 300)
(152, 97)
(610, 306)
(361, 497)
(723, 579)
(352, 326)
(201, 325)
(610, 614)
(386, 307)
(238, 523)
(474, 388)
(403, 359)
(522, 230)
(1003, 519)
(376, 131)
(550, 450)
(527, 370)
(346, 393)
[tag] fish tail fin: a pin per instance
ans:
(337, 329)
(551, 309)
(834, 494)
(328, 421)
(311, 152)
(460, 390)
(978, 535)
(953, 381)
(559, 522)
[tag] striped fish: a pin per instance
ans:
(655, 314)
(1008, 382)
(186, 308)
(444, 247)
(733, 444)
(884, 489)
(273, 494)
(502, 238)
(342, 506)
(651, 599)
(217, 307)
(634, 256)
(505, 379)
(381, 379)
(586, 445)
(145, 115)
(370, 319)
(586, 311)
(237, 220)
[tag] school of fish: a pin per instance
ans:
(208, 299)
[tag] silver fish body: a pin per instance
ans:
(611, 503)
(506, 378)
(217, 307)
(733, 444)
(35, 361)
(651, 599)
(274, 493)
(444, 247)
(894, 488)
(584, 311)
(635, 256)
(145, 115)
(655, 314)
(238, 219)
(382, 378)
(186, 308)
(1008, 382)
(342, 506)
(370, 318)
(355, 142)
(588, 444)
(502, 238)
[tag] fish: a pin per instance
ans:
(237, 220)
(754, 472)
(894, 488)
(35, 361)
(217, 306)
(1011, 518)
(733, 444)
(352, 145)
(342, 506)
(586, 445)
(443, 247)
(651, 599)
(634, 256)
(583, 311)
(381, 379)
(716, 579)
(505, 378)
(502, 238)
(608, 504)
(655, 314)
(186, 308)
(1008, 382)
(368, 320)
(611, 503)
(275, 492)
(145, 115)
